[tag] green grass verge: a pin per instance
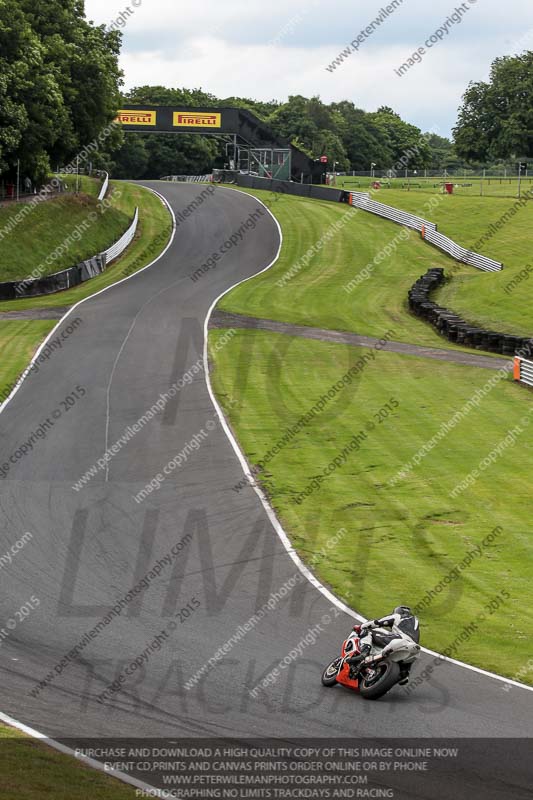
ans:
(316, 295)
(463, 186)
(19, 339)
(154, 230)
(57, 234)
(502, 300)
(31, 770)
(18, 342)
(85, 184)
(402, 539)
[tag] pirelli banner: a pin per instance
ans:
(165, 119)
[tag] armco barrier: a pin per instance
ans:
(105, 187)
(73, 276)
(523, 371)
(363, 201)
(454, 327)
(294, 189)
(118, 248)
(428, 230)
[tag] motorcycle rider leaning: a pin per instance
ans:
(402, 618)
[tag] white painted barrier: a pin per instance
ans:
(428, 230)
(118, 248)
(105, 187)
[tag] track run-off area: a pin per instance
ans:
(142, 552)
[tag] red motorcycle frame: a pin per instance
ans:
(389, 661)
(350, 647)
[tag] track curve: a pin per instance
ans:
(90, 547)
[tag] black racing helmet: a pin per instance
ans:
(408, 622)
(403, 611)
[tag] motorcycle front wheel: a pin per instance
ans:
(377, 681)
(329, 676)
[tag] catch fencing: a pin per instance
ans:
(428, 231)
(188, 178)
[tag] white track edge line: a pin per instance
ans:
(68, 751)
(26, 371)
(11, 721)
(276, 524)
(14, 723)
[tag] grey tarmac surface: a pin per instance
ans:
(35, 313)
(91, 547)
(225, 319)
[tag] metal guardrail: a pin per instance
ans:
(363, 201)
(105, 187)
(523, 371)
(188, 178)
(118, 248)
(461, 253)
(427, 229)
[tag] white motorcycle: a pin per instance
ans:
(391, 647)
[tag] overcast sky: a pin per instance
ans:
(269, 50)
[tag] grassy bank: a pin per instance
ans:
(57, 234)
(500, 300)
(320, 292)
(154, 230)
(85, 184)
(18, 342)
(464, 186)
(33, 771)
(403, 536)
(19, 339)
(30, 770)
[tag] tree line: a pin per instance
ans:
(352, 138)
(60, 86)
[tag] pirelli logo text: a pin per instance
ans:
(137, 117)
(196, 119)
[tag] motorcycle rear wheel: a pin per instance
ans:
(329, 676)
(388, 675)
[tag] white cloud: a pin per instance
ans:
(223, 48)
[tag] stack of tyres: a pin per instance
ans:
(454, 327)
(526, 348)
(495, 341)
(510, 344)
(419, 302)
(473, 337)
(460, 332)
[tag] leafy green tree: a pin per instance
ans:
(496, 117)
(443, 154)
(59, 82)
(364, 140)
(131, 159)
(348, 135)
(292, 121)
(260, 109)
(408, 146)
(162, 96)
(31, 106)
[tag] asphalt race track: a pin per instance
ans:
(92, 546)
